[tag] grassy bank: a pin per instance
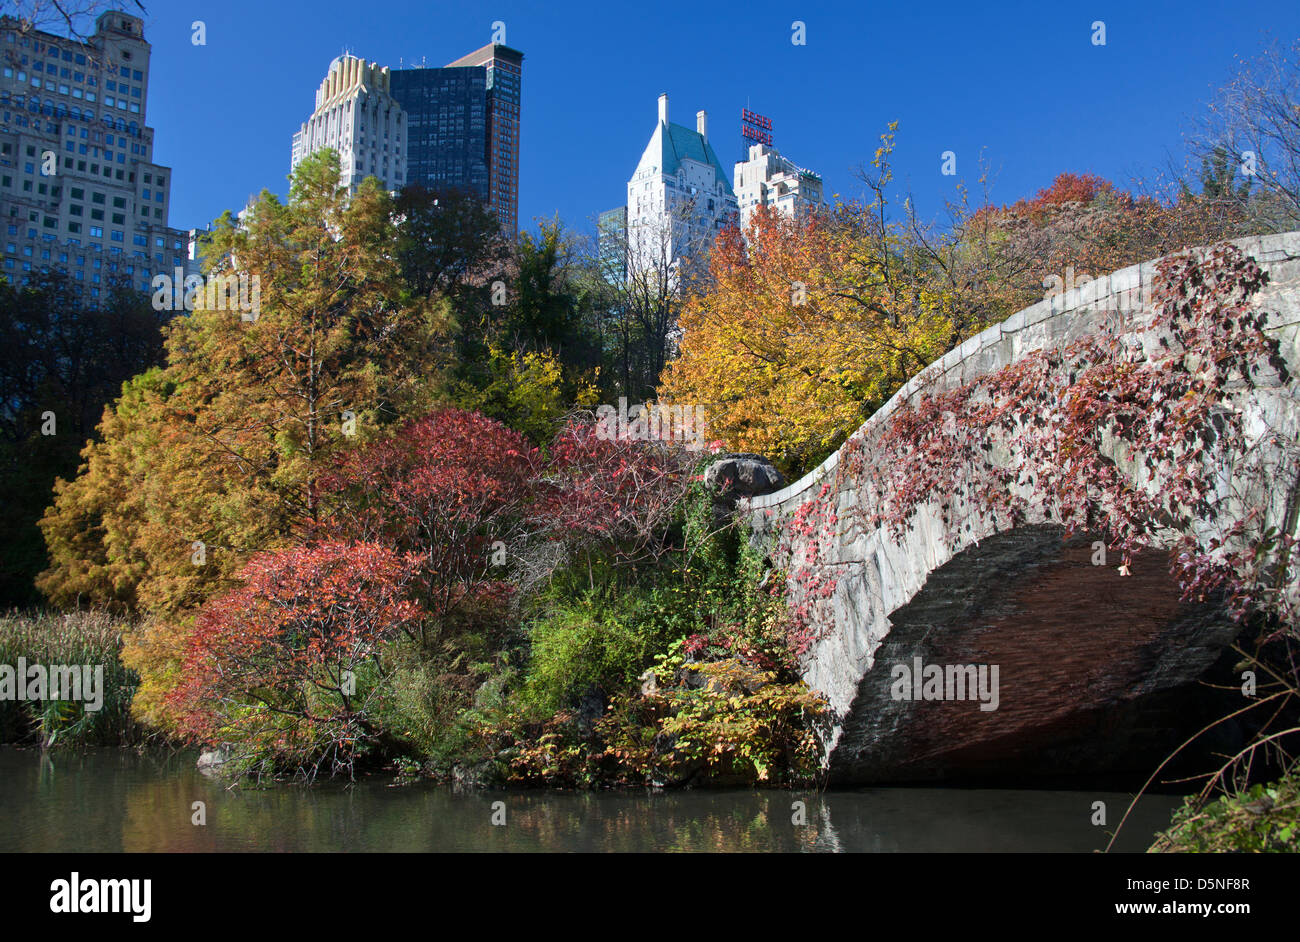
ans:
(77, 638)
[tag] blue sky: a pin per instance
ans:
(1021, 82)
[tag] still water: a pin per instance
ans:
(114, 800)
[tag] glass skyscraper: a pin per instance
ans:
(446, 127)
(447, 145)
(611, 241)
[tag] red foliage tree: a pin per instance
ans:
(1066, 188)
(452, 488)
(612, 495)
(271, 668)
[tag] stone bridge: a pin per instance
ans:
(1099, 674)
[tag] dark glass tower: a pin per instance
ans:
(462, 125)
(504, 76)
(446, 127)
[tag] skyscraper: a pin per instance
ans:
(357, 117)
(446, 126)
(451, 128)
(78, 188)
(611, 244)
(504, 77)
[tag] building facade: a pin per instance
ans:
(611, 244)
(456, 127)
(446, 127)
(79, 190)
(356, 115)
(503, 81)
(768, 179)
(678, 199)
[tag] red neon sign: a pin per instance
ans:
(755, 127)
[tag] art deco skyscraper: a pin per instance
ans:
(356, 116)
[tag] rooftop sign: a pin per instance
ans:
(755, 127)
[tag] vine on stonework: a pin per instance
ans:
(1111, 438)
(806, 540)
(1171, 433)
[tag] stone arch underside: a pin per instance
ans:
(1096, 674)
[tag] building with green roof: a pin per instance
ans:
(678, 199)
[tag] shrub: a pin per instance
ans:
(448, 488)
(726, 704)
(285, 668)
(596, 642)
(1262, 818)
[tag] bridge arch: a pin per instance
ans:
(1085, 655)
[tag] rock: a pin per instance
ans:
(741, 475)
(744, 475)
(211, 760)
(591, 707)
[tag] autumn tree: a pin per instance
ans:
(453, 490)
(534, 352)
(809, 325)
(253, 403)
(285, 669)
(219, 454)
(1083, 227)
(807, 328)
(610, 497)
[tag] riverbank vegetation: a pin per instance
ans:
(1261, 818)
(341, 556)
(376, 525)
(73, 640)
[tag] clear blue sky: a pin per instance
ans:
(1023, 82)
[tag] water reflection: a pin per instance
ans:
(116, 801)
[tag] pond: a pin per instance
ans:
(116, 800)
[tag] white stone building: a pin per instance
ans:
(768, 179)
(357, 116)
(678, 199)
(80, 189)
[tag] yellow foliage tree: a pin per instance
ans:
(806, 328)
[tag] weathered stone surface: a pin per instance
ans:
(1096, 666)
(1090, 666)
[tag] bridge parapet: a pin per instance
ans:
(951, 579)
